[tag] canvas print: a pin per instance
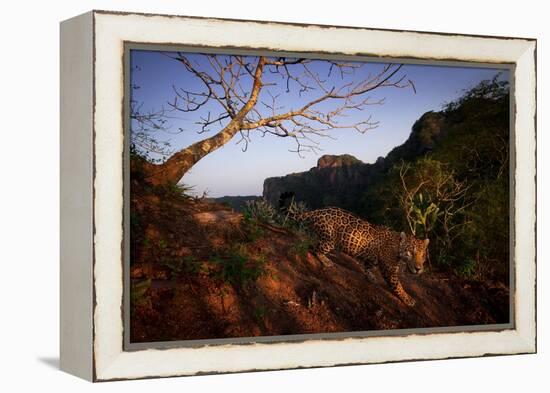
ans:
(275, 196)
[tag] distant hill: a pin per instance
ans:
(237, 202)
(341, 180)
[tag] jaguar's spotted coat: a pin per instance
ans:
(370, 244)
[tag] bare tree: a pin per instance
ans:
(239, 95)
(432, 197)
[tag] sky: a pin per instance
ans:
(230, 171)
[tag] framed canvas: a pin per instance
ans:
(247, 195)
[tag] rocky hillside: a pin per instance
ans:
(212, 274)
(336, 180)
(342, 180)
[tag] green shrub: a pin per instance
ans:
(175, 191)
(457, 193)
(187, 264)
(139, 292)
(467, 268)
(301, 246)
(423, 215)
(260, 313)
(174, 265)
(260, 210)
(286, 221)
(236, 268)
(252, 228)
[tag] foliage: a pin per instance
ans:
(467, 268)
(457, 192)
(494, 90)
(285, 219)
(434, 202)
(236, 268)
(174, 190)
(252, 228)
(301, 246)
(233, 267)
(422, 215)
(260, 210)
(260, 313)
(180, 265)
(138, 293)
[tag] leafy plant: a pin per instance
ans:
(422, 215)
(162, 244)
(260, 210)
(295, 209)
(173, 191)
(236, 268)
(434, 203)
(255, 213)
(192, 265)
(187, 264)
(138, 292)
(260, 312)
(174, 265)
(252, 228)
(301, 246)
(467, 268)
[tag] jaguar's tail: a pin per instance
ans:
(286, 199)
(287, 206)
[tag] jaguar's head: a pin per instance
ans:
(413, 252)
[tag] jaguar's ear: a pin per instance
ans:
(403, 237)
(426, 242)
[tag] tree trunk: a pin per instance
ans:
(176, 166)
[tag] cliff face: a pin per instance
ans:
(340, 180)
(425, 135)
(336, 180)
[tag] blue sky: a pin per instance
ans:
(230, 171)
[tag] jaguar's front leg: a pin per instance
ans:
(391, 275)
(325, 246)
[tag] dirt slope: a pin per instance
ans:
(199, 272)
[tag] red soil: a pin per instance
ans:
(294, 294)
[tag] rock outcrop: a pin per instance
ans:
(336, 180)
(341, 180)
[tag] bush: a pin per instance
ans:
(236, 268)
(139, 293)
(295, 208)
(457, 193)
(301, 247)
(260, 210)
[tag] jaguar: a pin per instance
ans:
(372, 245)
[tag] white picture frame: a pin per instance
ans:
(92, 194)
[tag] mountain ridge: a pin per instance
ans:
(341, 180)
